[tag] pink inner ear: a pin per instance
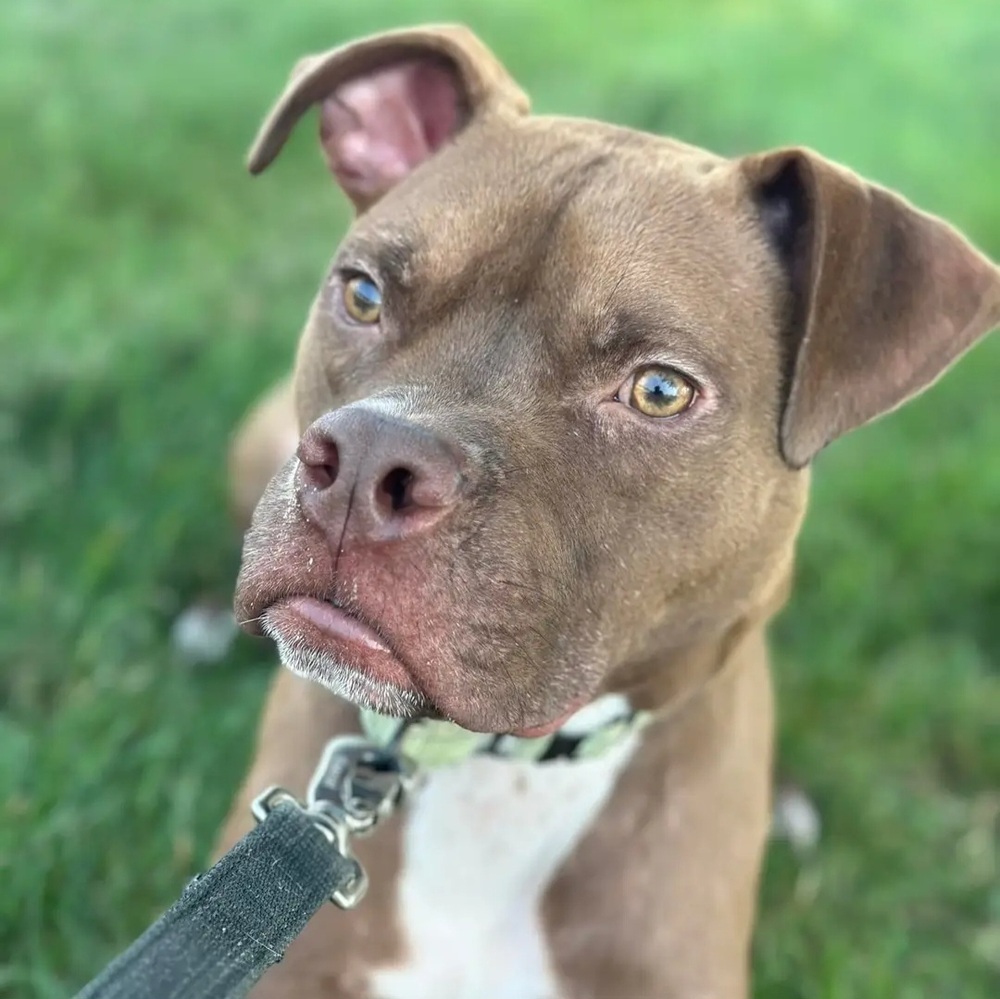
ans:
(376, 128)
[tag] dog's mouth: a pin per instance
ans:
(350, 655)
(325, 642)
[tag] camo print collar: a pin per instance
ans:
(590, 733)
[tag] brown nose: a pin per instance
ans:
(374, 478)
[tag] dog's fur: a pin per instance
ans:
(565, 545)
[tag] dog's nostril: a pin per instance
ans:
(396, 489)
(323, 476)
(320, 464)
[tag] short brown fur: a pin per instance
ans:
(529, 264)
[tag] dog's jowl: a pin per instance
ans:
(552, 416)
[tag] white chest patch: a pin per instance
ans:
(482, 841)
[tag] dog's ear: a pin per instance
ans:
(883, 298)
(389, 102)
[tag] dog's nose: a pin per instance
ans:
(375, 478)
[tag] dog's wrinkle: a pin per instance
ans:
(525, 233)
(609, 308)
(473, 545)
(549, 226)
(536, 592)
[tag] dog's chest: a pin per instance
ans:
(481, 842)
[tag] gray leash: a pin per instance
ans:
(235, 921)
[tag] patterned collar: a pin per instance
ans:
(591, 732)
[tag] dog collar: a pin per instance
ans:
(589, 733)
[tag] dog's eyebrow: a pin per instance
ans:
(390, 256)
(622, 337)
(625, 337)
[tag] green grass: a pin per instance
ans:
(148, 291)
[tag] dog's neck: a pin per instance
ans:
(659, 684)
(640, 692)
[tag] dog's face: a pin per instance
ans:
(559, 385)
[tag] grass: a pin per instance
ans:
(148, 291)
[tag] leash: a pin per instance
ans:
(237, 920)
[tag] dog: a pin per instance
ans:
(537, 479)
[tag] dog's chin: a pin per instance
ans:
(349, 680)
(364, 690)
(324, 643)
(351, 658)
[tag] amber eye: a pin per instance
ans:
(660, 392)
(363, 300)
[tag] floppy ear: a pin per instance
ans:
(883, 297)
(389, 102)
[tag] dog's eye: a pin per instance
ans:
(363, 300)
(660, 392)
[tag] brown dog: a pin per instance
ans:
(557, 398)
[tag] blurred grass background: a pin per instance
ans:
(149, 290)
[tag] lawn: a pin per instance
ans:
(149, 289)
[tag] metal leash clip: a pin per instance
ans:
(356, 785)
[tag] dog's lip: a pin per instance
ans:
(324, 624)
(335, 620)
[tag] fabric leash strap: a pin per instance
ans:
(236, 920)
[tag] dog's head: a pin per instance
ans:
(560, 385)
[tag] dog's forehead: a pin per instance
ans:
(577, 214)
